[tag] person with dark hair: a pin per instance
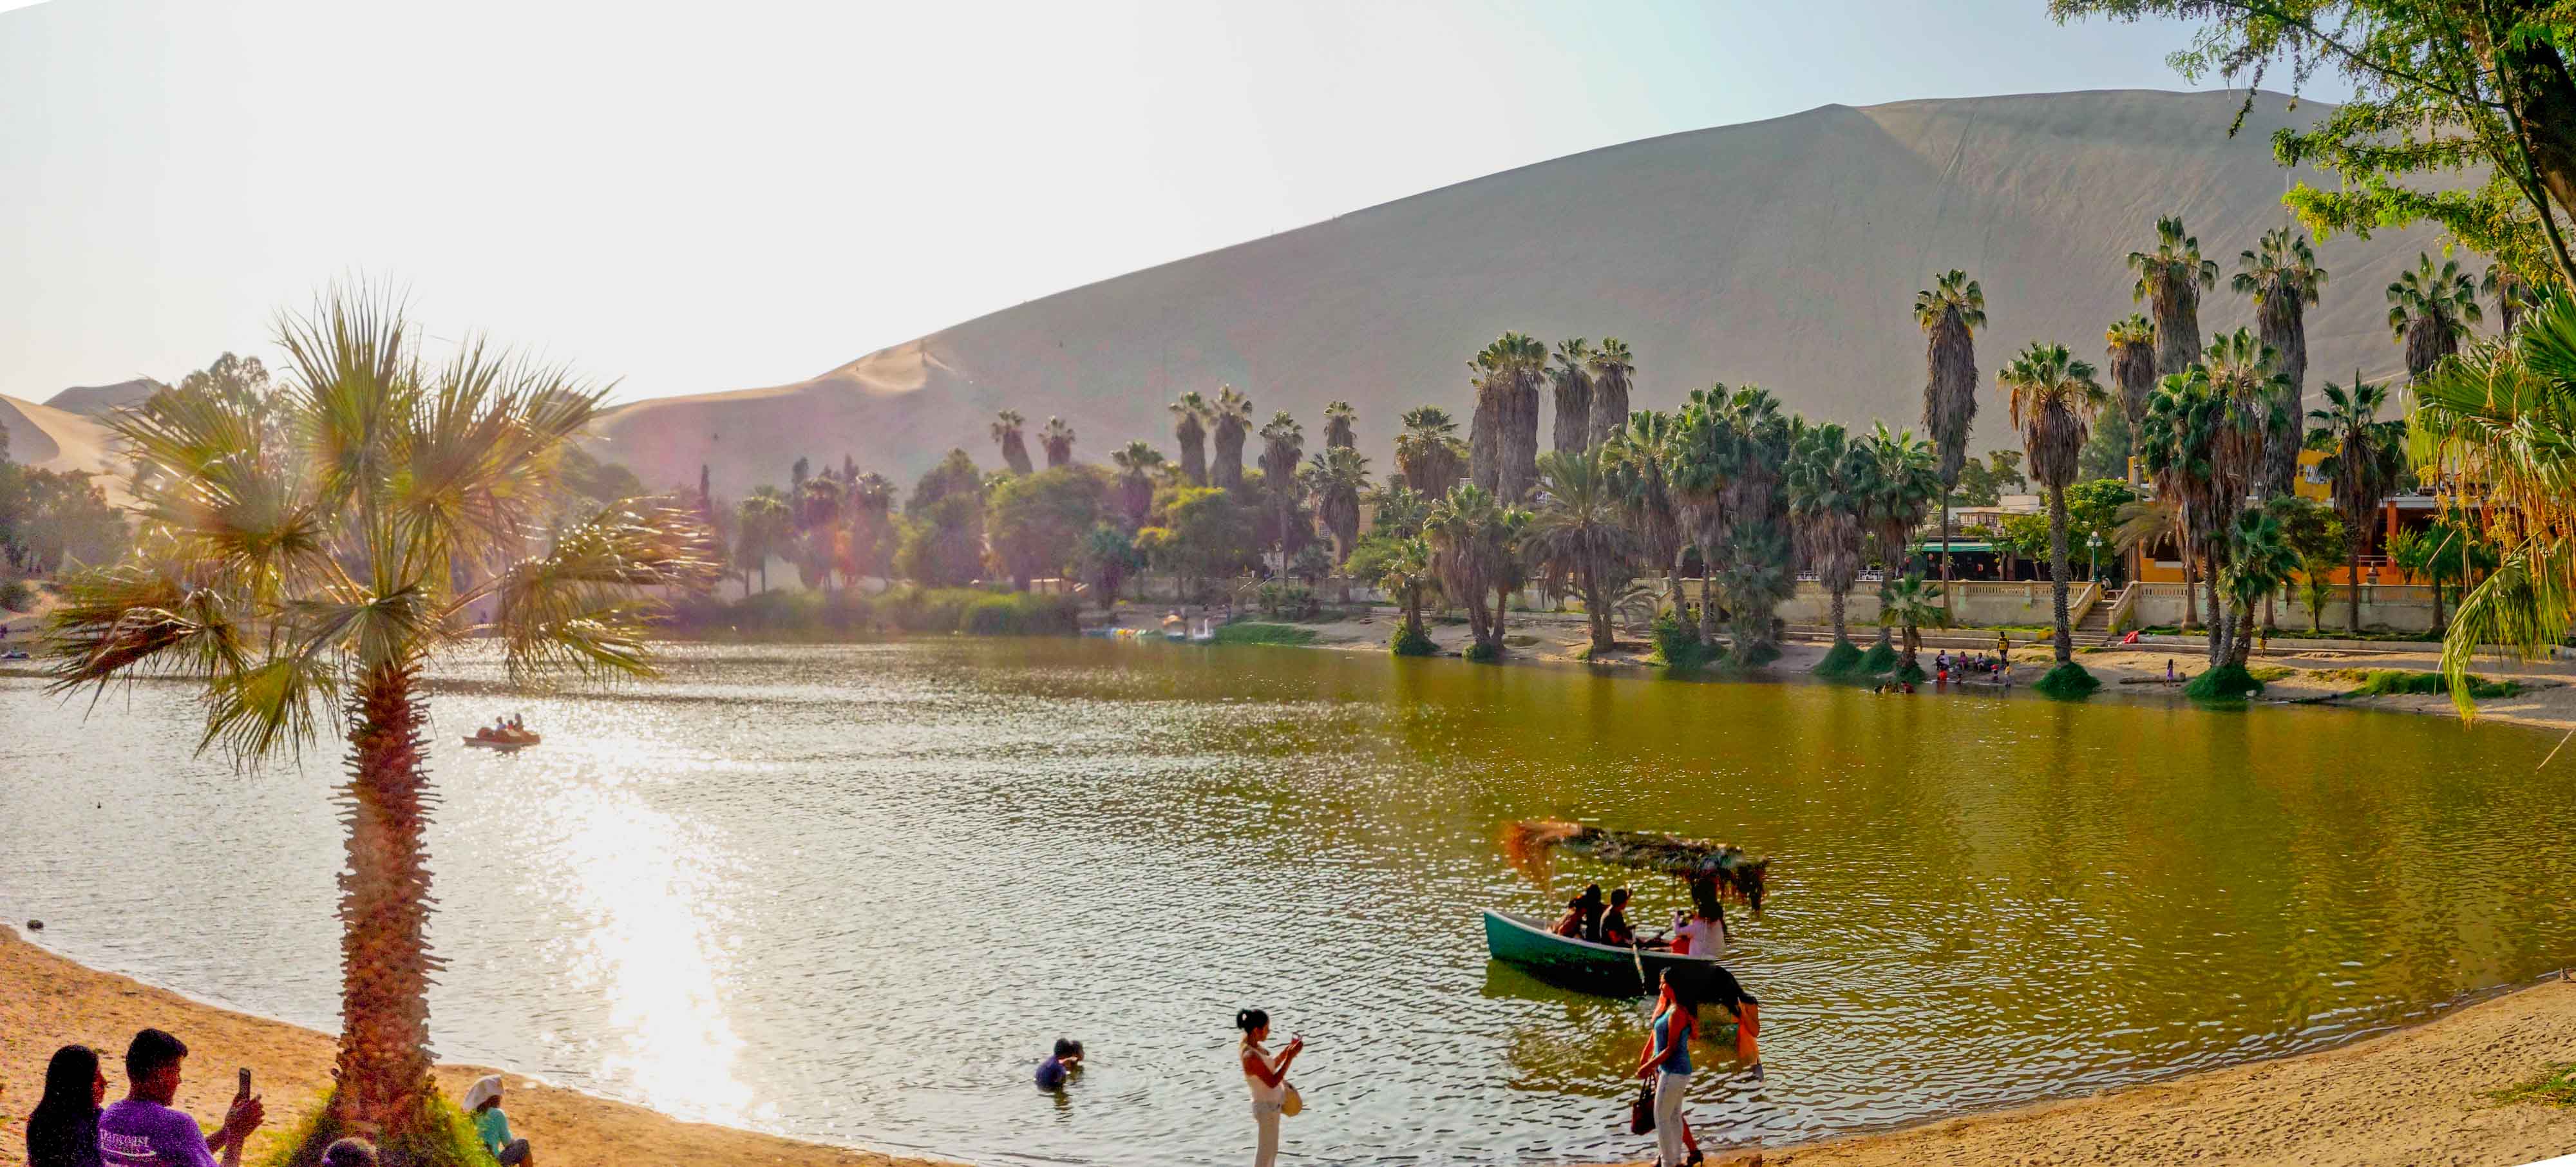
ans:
(1571, 923)
(1615, 929)
(349, 1153)
(141, 1130)
(1589, 903)
(1666, 1061)
(1268, 1077)
(1053, 1072)
(492, 1125)
(1724, 991)
(63, 1129)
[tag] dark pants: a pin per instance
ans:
(514, 1154)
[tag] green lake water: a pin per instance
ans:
(851, 893)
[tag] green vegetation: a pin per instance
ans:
(1879, 658)
(1678, 646)
(912, 610)
(2067, 680)
(2270, 673)
(2554, 1087)
(1411, 640)
(16, 596)
(445, 1138)
(1842, 660)
(1250, 633)
(2397, 682)
(2225, 681)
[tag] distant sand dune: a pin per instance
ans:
(1784, 253)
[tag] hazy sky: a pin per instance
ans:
(693, 197)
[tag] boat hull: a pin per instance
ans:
(483, 743)
(1525, 943)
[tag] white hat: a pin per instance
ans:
(483, 1090)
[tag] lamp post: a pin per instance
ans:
(2093, 544)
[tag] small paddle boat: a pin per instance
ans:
(1526, 943)
(485, 739)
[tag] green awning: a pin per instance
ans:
(1956, 545)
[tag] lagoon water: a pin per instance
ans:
(852, 893)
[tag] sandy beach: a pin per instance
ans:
(47, 1001)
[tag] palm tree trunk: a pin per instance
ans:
(1597, 612)
(2437, 600)
(1707, 597)
(1502, 605)
(2352, 585)
(2057, 572)
(1945, 536)
(2240, 646)
(1840, 633)
(2219, 624)
(383, 1068)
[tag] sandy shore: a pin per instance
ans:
(47, 1001)
(2548, 699)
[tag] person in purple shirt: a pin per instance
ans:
(141, 1130)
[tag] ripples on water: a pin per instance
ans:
(852, 893)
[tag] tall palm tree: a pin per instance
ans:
(2364, 457)
(1909, 604)
(1572, 376)
(1697, 477)
(2260, 560)
(1189, 430)
(2430, 310)
(1613, 372)
(1950, 313)
(1136, 463)
(2170, 281)
(1057, 437)
(1503, 439)
(1232, 414)
(2513, 295)
(1007, 431)
(1428, 453)
(1758, 562)
(304, 577)
(2202, 441)
(2283, 279)
(1904, 484)
(762, 527)
(2053, 397)
(873, 533)
(2130, 346)
(1339, 432)
(1336, 476)
(1576, 535)
(1641, 454)
(1827, 477)
(819, 508)
(1283, 446)
(1474, 542)
(1407, 575)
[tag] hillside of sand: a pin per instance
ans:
(1784, 253)
(51, 439)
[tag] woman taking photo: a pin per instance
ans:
(63, 1129)
(1666, 1061)
(1268, 1077)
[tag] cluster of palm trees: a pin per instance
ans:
(836, 524)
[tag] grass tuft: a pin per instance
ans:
(449, 1140)
(1484, 652)
(1253, 633)
(2069, 681)
(2408, 682)
(2555, 1087)
(1880, 658)
(2226, 682)
(1842, 660)
(1412, 642)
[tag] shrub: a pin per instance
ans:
(928, 611)
(1880, 658)
(1842, 660)
(2394, 682)
(449, 1140)
(1411, 641)
(2223, 682)
(1912, 674)
(1678, 646)
(1484, 652)
(1288, 601)
(16, 596)
(2068, 680)
(1264, 634)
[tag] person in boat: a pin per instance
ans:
(1591, 906)
(1267, 1075)
(1615, 929)
(1570, 925)
(1666, 1063)
(1703, 932)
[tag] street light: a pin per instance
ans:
(2093, 543)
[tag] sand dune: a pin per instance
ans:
(97, 401)
(1784, 253)
(53, 439)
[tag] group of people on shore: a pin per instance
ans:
(1992, 668)
(74, 1125)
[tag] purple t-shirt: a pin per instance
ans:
(135, 1133)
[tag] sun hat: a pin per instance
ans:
(483, 1090)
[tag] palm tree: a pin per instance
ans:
(303, 577)
(1576, 536)
(1283, 447)
(1503, 438)
(1336, 476)
(1057, 437)
(1473, 540)
(818, 508)
(873, 534)
(1428, 455)
(1641, 454)
(1136, 463)
(2260, 560)
(1572, 377)
(1696, 476)
(1613, 372)
(1233, 416)
(1904, 484)
(1950, 313)
(1189, 429)
(2053, 397)
(1007, 426)
(2130, 346)
(762, 523)
(2430, 310)
(2203, 442)
(1758, 564)
(1910, 603)
(2283, 278)
(2512, 294)
(1827, 477)
(2170, 281)
(2363, 458)
(1339, 432)
(1407, 575)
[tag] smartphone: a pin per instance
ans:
(245, 1082)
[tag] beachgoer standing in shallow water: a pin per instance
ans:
(1053, 1072)
(1666, 1062)
(63, 1129)
(492, 1125)
(1267, 1075)
(141, 1130)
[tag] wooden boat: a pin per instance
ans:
(1526, 943)
(504, 744)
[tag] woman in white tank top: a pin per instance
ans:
(1267, 1075)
